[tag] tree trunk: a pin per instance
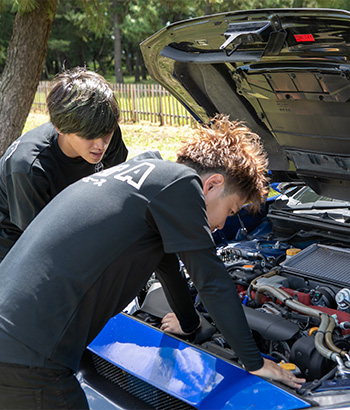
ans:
(25, 59)
(207, 9)
(82, 54)
(137, 66)
(128, 61)
(99, 58)
(117, 44)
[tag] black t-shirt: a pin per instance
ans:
(33, 170)
(94, 246)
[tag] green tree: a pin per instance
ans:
(25, 59)
(104, 34)
(105, 18)
(76, 40)
(139, 23)
(143, 20)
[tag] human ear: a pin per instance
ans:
(213, 182)
(56, 128)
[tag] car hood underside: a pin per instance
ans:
(284, 72)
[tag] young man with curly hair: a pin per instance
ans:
(83, 259)
(82, 137)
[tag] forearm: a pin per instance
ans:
(177, 292)
(219, 296)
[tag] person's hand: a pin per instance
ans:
(271, 370)
(171, 324)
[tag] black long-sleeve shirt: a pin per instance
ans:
(33, 170)
(92, 249)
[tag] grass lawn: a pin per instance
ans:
(137, 137)
(140, 137)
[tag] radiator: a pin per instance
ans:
(324, 263)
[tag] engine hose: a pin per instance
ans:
(320, 336)
(268, 274)
(288, 300)
(329, 340)
(281, 295)
(325, 319)
(252, 285)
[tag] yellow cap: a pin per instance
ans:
(288, 366)
(292, 251)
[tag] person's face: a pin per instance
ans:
(220, 205)
(91, 150)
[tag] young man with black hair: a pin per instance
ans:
(82, 260)
(82, 137)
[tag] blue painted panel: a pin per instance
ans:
(190, 374)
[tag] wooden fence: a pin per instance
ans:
(138, 102)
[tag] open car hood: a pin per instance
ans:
(284, 72)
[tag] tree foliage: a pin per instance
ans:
(102, 34)
(85, 32)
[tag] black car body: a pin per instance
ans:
(286, 74)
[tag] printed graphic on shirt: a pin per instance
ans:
(99, 167)
(134, 176)
(137, 175)
(12, 149)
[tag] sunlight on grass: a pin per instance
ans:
(138, 137)
(144, 137)
(34, 120)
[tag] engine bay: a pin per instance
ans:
(292, 275)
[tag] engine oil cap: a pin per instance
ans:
(288, 366)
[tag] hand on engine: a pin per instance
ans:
(271, 370)
(171, 324)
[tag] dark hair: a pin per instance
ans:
(233, 150)
(82, 102)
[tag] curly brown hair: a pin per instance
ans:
(233, 150)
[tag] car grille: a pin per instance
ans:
(137, 387)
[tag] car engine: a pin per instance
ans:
(295, 291)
